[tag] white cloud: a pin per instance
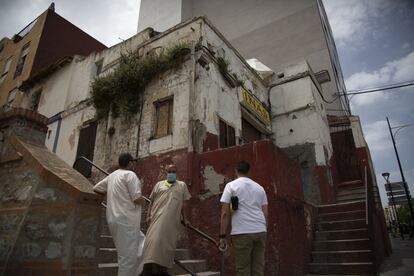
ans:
(377, 135)
(351, 19)
(392, 72)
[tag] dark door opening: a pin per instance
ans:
(249, 132)
(86, 146)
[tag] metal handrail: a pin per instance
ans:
(366, 196)
(196, 230)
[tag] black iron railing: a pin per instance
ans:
(189, 226)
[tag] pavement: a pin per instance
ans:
(401, 261)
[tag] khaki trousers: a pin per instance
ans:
(249, 252)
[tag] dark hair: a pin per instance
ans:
(124, 159)
(243, 167)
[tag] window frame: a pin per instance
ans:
(9, 101)
(229, 138)
(22, 60)
(157, 104)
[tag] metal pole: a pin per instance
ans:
(407, 194)
(395, 209)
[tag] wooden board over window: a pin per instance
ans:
(163, 119)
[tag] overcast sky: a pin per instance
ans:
(375, 41)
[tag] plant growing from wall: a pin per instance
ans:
(120, 91)
(231, 78)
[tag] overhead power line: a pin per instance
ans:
(372, 90)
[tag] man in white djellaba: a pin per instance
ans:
(123, 213)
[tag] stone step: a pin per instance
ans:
(342, 207)
(182, 254)
(105, 241)
(341, 245)
(351, 184)
(207, 273)
(193, 265)
(345, 256)
(107, 255)
(359, 233)
(359, 214)
(350, 197)
(109, 269)
(344, 191)
(105, 229)
(196, 266)
(341, 225)
(360, 268)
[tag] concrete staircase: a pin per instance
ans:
(108, 258)
(341, 245)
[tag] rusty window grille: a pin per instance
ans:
(163, 117)
(227, 135)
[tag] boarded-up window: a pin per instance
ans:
(227, 135)
(163, 118)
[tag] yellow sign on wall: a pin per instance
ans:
(255, 106)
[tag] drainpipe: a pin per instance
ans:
(51, 120)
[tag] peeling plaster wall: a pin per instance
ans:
(357, 132)
(67, 90)
(214, 97)
(299, 115)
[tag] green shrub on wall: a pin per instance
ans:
(120, 91)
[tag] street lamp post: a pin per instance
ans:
(386, 176)
(407, 194)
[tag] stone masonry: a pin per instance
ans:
(48, 212)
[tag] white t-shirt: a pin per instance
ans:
(249, 217)
(122, 188)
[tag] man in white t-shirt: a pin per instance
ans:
(123, 213)
(244, 202)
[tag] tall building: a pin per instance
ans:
(43, 42)
(278, 33)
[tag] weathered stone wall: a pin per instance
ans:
(49, 215)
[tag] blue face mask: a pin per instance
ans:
(171, 177)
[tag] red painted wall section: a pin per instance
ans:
(152, 169)
(291, 220)
(327, 187)
(210, 142)
(59, 39)
(288, 240)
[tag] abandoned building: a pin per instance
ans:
(43, 42)
(186, 96)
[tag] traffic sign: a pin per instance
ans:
(394, 186)
(395, 193)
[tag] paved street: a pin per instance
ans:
(401, 262)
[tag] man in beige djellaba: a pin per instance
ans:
(167, 208)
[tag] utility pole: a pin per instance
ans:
(407, 193)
